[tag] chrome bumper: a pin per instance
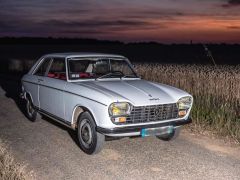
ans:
(136, 130)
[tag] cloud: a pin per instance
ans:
(119, 19)
(234, 2)
(99, 27)
(75, 27)
(234, 27)
(154, 13)
(231, 3)
(94, 23)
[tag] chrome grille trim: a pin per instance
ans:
(152, 113)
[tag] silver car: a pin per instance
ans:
(101, 96)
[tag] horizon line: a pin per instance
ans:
(191, 42)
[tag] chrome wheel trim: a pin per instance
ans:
(85, 133)
(30, 109)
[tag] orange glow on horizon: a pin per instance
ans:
(186, 28)
(163, 21)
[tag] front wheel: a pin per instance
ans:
(90, 141)
(169, 137)
(31, 113)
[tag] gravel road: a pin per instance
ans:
(52, 152)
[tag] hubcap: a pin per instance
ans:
(30, 108)
(86, 133)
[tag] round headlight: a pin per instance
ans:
(185, 103)
(119, 109)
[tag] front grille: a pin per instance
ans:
(142, 114)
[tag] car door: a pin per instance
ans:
(51, 90)
(37, 79)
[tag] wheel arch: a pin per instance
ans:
(77, 111)
(28, 95)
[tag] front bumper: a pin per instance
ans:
(136, 130)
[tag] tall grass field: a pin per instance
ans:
(216, 92)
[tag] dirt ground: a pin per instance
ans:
(52, 152)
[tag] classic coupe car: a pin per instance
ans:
(100, 95)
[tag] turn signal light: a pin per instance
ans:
(182, 113)
(120, 119)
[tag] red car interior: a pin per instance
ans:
(57, 75)
(84, 75)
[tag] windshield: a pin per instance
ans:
(99, 69)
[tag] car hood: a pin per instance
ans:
(137, 92)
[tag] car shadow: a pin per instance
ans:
(72, 133)
(11, 85)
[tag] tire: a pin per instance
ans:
(171, 136)
(31, 113)
(90, 141)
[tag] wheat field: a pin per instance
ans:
(216, 92)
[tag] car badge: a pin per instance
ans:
(154, 99)
(157, 112)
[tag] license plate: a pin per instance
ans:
(156, 131)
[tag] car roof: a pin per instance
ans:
(82, 54)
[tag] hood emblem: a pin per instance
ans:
(154, 99)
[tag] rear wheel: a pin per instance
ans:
(90, 141)
(169, 137)
(31, 113)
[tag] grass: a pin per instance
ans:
(216, 91)
(9, 169)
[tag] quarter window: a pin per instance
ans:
(57, 69)
(42, 67)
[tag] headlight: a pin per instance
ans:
(184, 104)
(119, 109)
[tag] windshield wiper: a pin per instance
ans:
(129, 76)
(109, 74)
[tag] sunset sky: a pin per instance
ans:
(166, 21)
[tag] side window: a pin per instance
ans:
(57, 69)
(42, 68)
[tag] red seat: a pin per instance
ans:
(84, 75)
(63, 76)
(57, 75)
(51, 75)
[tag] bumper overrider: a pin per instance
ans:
(136, 130)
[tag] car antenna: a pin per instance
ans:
(209, 54)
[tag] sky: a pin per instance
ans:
(165, 21)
